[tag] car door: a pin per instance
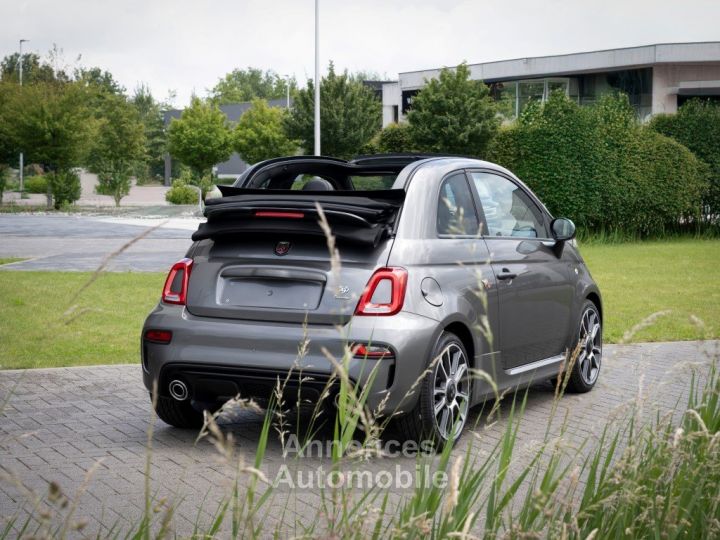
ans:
(447, 256)
(534, 292)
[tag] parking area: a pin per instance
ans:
(58, 423)
(82, 242)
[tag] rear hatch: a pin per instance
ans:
(263, 256)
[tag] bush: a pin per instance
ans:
(189, 178)
(36, 184)
(697, 126)
(65, 188)
(181, 193)
(599, 167)
(395, 139)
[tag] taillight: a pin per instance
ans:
(362, 350)
(176, 284)
(158, 336)
(384, 293)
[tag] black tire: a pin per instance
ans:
(180, 414)
(422, 424)
(586, 367)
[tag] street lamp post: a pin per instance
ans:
(317, 78)
(287, 89)
(22, 157)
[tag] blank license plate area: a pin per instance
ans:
(265, 292)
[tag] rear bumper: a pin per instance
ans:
(221, 357)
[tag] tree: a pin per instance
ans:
(259, 134)
(100, 79)
(64, 186)
(100, 86)
(350, 115)
(9, 149)
(453, 114)
(51, 124)
(33, 69)
(118, 144)
(52, 69)
(151, 115)
(242, 85)
(200, 138)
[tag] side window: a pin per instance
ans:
(456, 212)
(508, 210)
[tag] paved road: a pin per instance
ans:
(59, 422)
(81, 242)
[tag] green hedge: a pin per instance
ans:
(599, 167)
(697, 126)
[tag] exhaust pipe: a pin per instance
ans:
(178, 390)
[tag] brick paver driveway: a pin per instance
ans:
(57, 423)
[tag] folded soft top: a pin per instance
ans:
(364, 217)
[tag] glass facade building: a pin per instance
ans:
(656, 78)
(585, 89)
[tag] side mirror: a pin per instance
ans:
(562, 229)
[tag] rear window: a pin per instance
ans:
(373, 182)
(365, 183)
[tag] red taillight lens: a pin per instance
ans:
(176, 284)
(158, 336)
(384, 293)
(361, 350)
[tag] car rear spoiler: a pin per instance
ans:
(364, 217)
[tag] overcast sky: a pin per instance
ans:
(186, 45)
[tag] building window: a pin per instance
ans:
(530, 91)
(513, 96)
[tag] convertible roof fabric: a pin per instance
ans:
(364, 217)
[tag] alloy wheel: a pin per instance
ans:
(590, 355)
(451, 392)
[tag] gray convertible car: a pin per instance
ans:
(449, 265)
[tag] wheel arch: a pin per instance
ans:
(462, 331)
(594, 297)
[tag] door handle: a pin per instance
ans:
(506, 274)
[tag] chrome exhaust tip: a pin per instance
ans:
(178, 390)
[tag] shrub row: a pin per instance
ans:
(599, 167)
(697, 126)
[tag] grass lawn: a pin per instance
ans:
(8, 260)
(636, 280)
(104, 328)
(639, 279)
